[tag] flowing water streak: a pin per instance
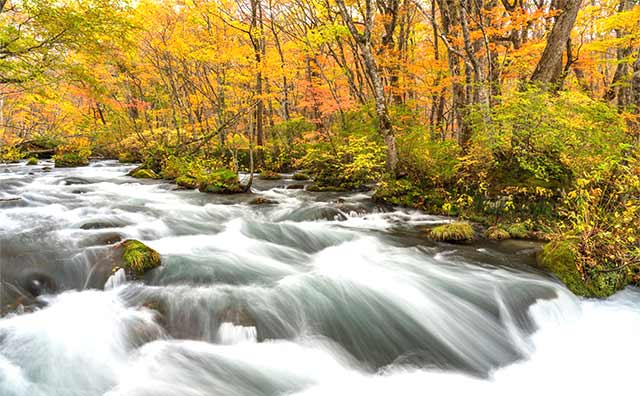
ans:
(320, 294)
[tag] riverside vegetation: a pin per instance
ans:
(522, 119)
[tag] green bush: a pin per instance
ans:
(536, 140)
(11, 154)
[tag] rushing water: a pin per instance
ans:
(319, 294)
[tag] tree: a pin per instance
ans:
(549, 70)
(364, 43)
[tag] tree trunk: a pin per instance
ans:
(549, 69)
(635, 97)
(620, 88)
(363, 41)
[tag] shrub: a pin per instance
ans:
(32, 161)
(352, 163)
(74, 153)
(11, 154)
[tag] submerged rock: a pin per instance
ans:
(72, 181)
(262, 201)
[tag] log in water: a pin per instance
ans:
(319, 294)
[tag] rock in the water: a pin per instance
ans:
(300, 176)
(187, 181)
(221, 181)
(71, 181)
(496, 233)
(38, 284)
(270, 175)
(69, 160)
(262, 201)
(138, 258)
(295, 187)
(144, 173)
(456, 231)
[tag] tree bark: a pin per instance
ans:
(549, 69)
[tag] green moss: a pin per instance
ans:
(452, 232)
(518, 230)
(139, 258)
(496, 233)
(143, 173)
(70, 160)
(300, 176)
(560, 257)
(220, 181)
(32, 161)
(270, 175)
(187, 181)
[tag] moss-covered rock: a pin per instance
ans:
(32, 161)
(518, 230)
(496, 233)
(70, 160)
(138, 258)
(187, 181)
(300, 176)
(561, 258)
(270, 175)
(220, 181)
(456, 231)
(143, 173)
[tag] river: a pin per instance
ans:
(318, 294)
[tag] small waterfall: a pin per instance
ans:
(229, 334)
(116, 279)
